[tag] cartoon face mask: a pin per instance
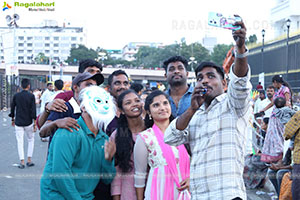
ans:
(99, 105)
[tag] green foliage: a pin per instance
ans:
(252, 39)
(41, 59)
(81, 53)
(219, 53)
(151, 57)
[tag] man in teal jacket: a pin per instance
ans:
(79, 159)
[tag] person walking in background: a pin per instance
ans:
(24, 103)
(169, 173)
(58, 86)
(130, 123)
(46, 96)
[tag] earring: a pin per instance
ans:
(150, 117)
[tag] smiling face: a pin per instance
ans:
(119, 84)
(176, 73)
(132, 106)
(210, 79)
(160, 108)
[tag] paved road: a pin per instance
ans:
(24, 184)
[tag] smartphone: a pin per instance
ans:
(219, 20)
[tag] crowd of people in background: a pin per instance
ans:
(179, 141)
(276, 155)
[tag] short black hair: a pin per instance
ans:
(175, 59)
(202, 65)
(266, 120)
(279, 102)
(115, 73)
(137, 87)
(83, 64)
(25, 82)
(59, 84)
(49, 83)
(278, 79)
(261, 92)
(271, 87)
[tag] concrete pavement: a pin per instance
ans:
(24, 184)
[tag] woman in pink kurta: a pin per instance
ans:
(273, 145)
(168, 177)
(129, 124)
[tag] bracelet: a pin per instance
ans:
(243, 55)
(47, 110)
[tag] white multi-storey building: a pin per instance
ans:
(209, 42)
(284, 10)
(132, 48)
(27, 42)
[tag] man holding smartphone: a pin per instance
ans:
(215, 127)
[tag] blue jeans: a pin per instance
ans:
(276, 178)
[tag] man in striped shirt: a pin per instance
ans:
(215, 126)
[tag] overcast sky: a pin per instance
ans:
(111, 24)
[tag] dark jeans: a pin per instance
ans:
(276, 178)
(296, 181)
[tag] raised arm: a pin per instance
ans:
(239, 86)
(240, 63)
(50, 126)
(57, 105)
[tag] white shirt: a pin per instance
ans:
(45, 98)
(217, 137)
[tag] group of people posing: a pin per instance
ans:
(185, 143)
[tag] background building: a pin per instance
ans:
(52, 40)
(114, 53)
(132, 48)
(285, 9)
(209, 42)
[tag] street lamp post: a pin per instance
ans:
(288, 24)
(192, 62)
(102, 56)
(262, 49)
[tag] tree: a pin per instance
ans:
(252, 39)
(219, 53)
(151, 57)
(41, 59)
(81, 53)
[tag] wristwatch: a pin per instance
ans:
(243, 55)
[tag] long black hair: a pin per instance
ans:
(279, 79)
(149, 100)
(124, 140)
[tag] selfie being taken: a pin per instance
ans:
(150, 100)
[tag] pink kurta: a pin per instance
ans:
(123, 184)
